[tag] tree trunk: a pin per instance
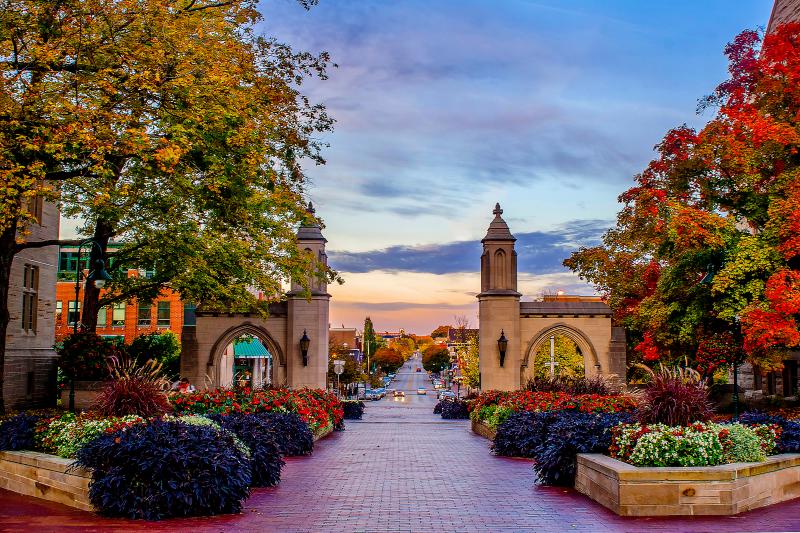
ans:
(7, 251)
(91, 294)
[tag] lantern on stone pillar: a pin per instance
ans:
(502, 346)
(305, 342)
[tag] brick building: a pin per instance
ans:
(30, 362)
(126, 320)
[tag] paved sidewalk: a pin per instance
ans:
(402, 469)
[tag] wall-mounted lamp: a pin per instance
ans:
(502, 345)
(305, 342)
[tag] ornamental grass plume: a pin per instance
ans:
(675, 397)
(133, 390)
(571, 385)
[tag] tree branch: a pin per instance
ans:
(50, 242)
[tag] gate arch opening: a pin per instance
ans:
(251, 366)
(591, 364)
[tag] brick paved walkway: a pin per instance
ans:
(402, 469)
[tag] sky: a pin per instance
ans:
(445, 107)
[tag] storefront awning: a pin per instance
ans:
(250, 349)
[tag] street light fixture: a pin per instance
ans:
(98, 276)
(502, 346)
(305, 342)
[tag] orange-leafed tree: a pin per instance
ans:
(705, 257)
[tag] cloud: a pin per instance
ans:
(541, 252)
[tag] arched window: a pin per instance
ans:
(500, 270)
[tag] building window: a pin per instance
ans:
(59, 310)
(189, 318)
(118, 314)
(102, 317)
(73, 312)
(68, 262)
(30, 297)
(143, 315)
(163, 314)
(35, 206)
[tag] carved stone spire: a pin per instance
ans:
(498, 229)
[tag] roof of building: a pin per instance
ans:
(498, 229)
(310, 231)
(251, 347)
(564, 308)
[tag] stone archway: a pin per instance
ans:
(591, 363)
(233, 333)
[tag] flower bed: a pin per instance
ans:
(318, 408)
(493, 407)
(698, 444)
(210, 452)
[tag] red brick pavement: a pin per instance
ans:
(402, 469)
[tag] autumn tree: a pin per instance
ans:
(352, 369)
(441, 331)
(388, 359)
(167, 125)
(469, 364)
(706, 249)
(435, 358)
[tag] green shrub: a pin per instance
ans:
(498, 416)
(742, 444)
(164, 347)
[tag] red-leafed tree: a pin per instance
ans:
(704, 261)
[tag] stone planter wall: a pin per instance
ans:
(45, 476)
(85, 394)
(483, 430)
(714, 490)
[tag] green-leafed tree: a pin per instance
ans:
(171, 127)
(435, 358)
(469, 364)
(352, 370)
(566, 354)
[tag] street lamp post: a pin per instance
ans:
(99, 276)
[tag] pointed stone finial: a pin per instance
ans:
(498, 229)
(310, 209)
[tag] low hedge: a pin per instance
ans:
(166, 469)
(17, 432)
(258, 435)
(522, 433)
(554, 438)
(353, 409)
(290, 432)
(455, 409)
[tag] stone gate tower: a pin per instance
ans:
(300, 316)
(527, 326)
(498, 307)
(309, 315)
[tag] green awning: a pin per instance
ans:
(251, 348)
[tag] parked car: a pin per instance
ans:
(422, 391)
(381, 392)
(446, 394)
(398, 394)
